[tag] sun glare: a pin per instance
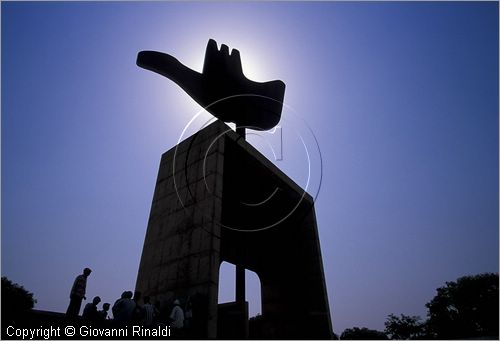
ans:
(252, 65)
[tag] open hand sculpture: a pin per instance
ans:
(222, 88)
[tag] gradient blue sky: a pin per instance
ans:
(402, 98)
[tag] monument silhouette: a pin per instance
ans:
(222, 89)
(207, 208)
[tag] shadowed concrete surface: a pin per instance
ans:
(218, 199)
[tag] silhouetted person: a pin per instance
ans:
(77, 294)
(149, 312)
(115, 306)
(177, 319)
(124, 308)
(137, 315)
(103, 314)
(90, 311)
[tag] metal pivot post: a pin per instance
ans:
(241, 131)
(240, 284)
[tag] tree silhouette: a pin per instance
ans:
(362, 334)
(405, 327)
(466, 308)
(15, 300)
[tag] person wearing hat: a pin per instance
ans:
(177, 316)
(77, 294)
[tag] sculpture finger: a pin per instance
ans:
(224, 57)
(235, 62)
(211, 57)
(224, 49)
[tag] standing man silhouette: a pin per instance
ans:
(77, 294)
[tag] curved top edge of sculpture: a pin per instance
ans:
(222, 88)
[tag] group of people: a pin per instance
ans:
(127, 310)
(91, 314)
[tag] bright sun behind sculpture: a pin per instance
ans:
(222, 88)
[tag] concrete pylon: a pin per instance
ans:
(218, 199)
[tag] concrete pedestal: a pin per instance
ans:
(218, 199)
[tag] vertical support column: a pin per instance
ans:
(240, 270)
(241, 305)
(240, 284)
(241, 131)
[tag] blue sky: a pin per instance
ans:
(402, 98)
